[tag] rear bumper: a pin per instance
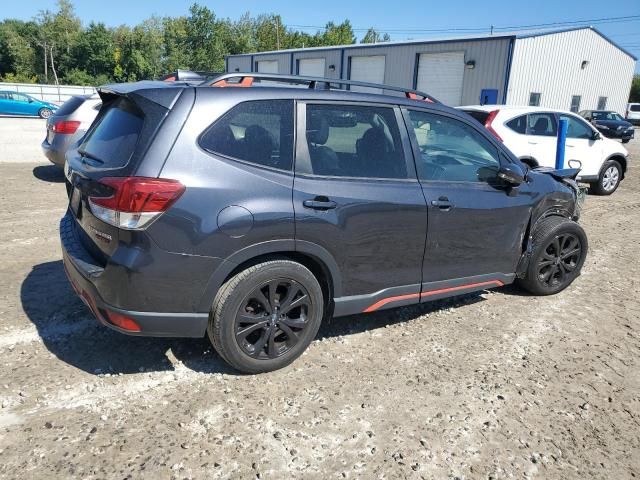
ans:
(53, 154)
(84, 274)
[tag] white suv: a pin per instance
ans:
(633, 113)
(531, 133)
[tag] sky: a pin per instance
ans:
(402, 19)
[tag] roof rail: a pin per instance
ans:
(317, 83)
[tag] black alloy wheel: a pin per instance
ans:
(559, 260)
(272, 318)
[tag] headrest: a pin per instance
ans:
(317, 129)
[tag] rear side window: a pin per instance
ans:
(542, 124)
(518, 124)
(113, 139)
(353, 141)
(259, 132)
(479, 116)
(69, 106)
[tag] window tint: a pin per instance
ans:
(450, 150)
(259, 132)
(114, 138)
(577, 128)
(542, 124)
(635, 108)
(69, 106)
(354, 141)
(480, 116)
(534, 99)
(518, 124)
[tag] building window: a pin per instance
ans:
(534, 99)
(602, 103)
(575, 103)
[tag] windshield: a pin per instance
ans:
(606, 116)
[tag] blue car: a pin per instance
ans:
(14, 103)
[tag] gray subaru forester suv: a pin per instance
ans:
(253, 211)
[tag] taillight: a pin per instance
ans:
(66, 127)
(135, 201)
(489, 121)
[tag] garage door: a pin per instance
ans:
(267, 66)
(441, 75)
(367, 69)
(311, 67)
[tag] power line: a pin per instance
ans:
(592, 21)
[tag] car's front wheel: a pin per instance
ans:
(609, 179)
(264, 317)
(45, 112)
(559, 251)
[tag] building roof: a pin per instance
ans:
(463, 38)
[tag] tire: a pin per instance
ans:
(549, 273)
(626, 140)
(44, 113)
(264, 339)
(609, 179)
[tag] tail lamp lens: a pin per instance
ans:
(133, 202)
(66, 127)
(489, 121)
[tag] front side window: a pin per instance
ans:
(451, 150)
(259, 132)
(534, 99)
(577, 128)
(353, 141)
(542, 124)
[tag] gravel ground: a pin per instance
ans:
(494, 385)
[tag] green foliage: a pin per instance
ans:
(373, 36)
(98, 54)
(634, 95)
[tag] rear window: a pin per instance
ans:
(635, 108)
(113, 139)
(518, 124)
(479, 116)
(69, 106)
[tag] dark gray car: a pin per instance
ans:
(68, 124)
(253, 213)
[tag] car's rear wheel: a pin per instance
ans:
(625, 140)
(45, 112)
(559, 251)
(609, 179)
(264, 317)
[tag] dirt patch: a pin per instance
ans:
(495, 385)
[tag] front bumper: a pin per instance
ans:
(84, 273)
(621, 134)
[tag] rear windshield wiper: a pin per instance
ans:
(86, 154)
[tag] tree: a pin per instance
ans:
(206, 50)
(94, 52)
(341, 34)
(373, 36)
(176, 53)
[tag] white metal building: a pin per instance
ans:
(573, 69)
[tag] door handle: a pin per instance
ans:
(533, 143)
(320, 203)
(442, 203)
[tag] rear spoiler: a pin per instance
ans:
(162, 93)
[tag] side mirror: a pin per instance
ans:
(511, 174)
(596, 136)
(30, 100)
